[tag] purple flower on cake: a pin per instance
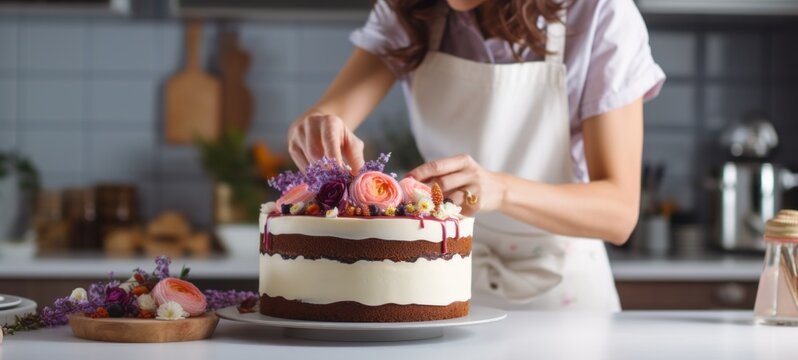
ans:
(376, 165)
(218, 299)
(162, 266)
(116, 295)
(331, 194)
(324, 171)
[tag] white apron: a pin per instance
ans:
(512, 118)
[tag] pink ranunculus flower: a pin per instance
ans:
(375, 188)
(410, 186)
(182, 292)
(297, 193)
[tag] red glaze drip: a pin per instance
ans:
(456, 229)
(266, 243)
(444, 248)
(421, 221)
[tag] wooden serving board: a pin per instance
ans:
(143, 330)
(192, 103)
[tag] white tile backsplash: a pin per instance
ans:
(8, 139)
(132, 101)
(60, 152)
(8, 44)
(784, 62)
(53, 46)
(8, 101)
(734, 55)
(324, 48)
(675, 106)
(121, 155)
(124, 46)
(676, 150)
(675, 52)
(179, 162)
(729, 103)
(53, 99)
(191, 197)
(274, 48)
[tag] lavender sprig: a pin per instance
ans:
(218, 299)
(286, 180)
(376, 165)
(324, 171)
(162, 267)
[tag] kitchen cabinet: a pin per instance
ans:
(692, 295)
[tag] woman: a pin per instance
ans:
(529, 113)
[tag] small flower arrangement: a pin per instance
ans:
(156, 295)
(328, 189)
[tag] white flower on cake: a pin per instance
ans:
(424, 206)
(268, 207)
(129, 284)
(447, 210)
(332, 213)
(79, 294)
(297, 208)
(146, 302)
(171, 310)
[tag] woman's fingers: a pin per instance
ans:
(332, 133)
(353, 150)
(320, 135)
(451, 182)
(440, 167)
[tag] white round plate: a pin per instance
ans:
(365, 331)
(8, 301)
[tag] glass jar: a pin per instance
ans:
(777, 295)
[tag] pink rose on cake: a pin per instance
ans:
(375, 188)
(299, 193)
(412, 188)
(182, 292)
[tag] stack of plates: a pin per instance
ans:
(12, 306)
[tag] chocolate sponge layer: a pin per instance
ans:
(348, 251)
(351, 311)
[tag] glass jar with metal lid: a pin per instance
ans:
(777, 295)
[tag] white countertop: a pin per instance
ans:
(523, 335)
(18, 262)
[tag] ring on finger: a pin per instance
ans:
(471, 199)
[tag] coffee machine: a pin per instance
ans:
(749, 189)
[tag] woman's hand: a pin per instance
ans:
(317, 135)
(459, 174)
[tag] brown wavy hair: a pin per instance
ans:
(514, 21)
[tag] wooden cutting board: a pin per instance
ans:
(143, 330)
(192, 104)
(236, 98)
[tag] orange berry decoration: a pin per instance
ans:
(313, 209)
(350, 211)
(365, 210)
(146, 314)
(437, 195)
(139, 290)
(100, 313)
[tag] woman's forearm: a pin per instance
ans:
(599, 209)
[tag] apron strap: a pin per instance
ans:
(437, 28)
(555, 40)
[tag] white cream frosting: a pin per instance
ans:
(405, 229)
(424, 282)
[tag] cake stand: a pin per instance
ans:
(352, 331)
